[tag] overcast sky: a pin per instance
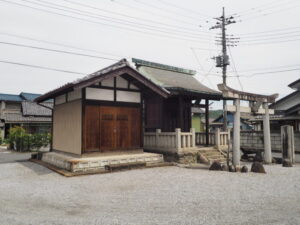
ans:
(173, 32)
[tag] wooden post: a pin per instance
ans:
(192, 130)
(217, 137)
(178, 139)
(236, 134)
(267, 135)
(288, 143)
(207, 122)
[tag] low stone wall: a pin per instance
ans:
(255, 140)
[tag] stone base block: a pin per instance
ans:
(98, 163)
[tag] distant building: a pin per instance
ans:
(20, 110)
(245, 124)
(287, 111)
(197, 115)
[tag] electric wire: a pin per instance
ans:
(41, 67)
(99, 23)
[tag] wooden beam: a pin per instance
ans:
(206, 122)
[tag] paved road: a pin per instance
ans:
(32, 194)
(10, 156)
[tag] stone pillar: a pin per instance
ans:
(288, 143)
(192, 130)
(157, 141)
(217, 137)
(178, 139)
(267, 135)
(236, 134)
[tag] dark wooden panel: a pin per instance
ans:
(107, 128)
(91, 128)
(135, 127)
(123, 128)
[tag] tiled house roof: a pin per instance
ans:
(29, 96)
(19, 118)
(10, 98)
(33, 109)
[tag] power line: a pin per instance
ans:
(99, 23)
(183, 8)
(114, 20)
(41, 67)
(234, 67)
(151, 12)
(267, 7)
(272, 42)
(57, 43)
(56, 50)
(132, 17)
(165, 10)
(271, 13)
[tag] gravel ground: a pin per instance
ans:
(32, 194)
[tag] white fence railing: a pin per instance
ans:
(178, 141)
(169, 141)
(218, 138)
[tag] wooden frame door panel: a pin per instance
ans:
(109, 128)
(91, 129)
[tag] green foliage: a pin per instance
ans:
(215, 113)
(21, 141)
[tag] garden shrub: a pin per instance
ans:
(21, 141)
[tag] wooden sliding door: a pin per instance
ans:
(112, 128)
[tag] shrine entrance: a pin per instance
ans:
(258, 104)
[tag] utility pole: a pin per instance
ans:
(223, 60)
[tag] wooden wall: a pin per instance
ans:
(167, 114)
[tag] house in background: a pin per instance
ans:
(245, 124)
(20, 110)
(198, 115)
(287, 111)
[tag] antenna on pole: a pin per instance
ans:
(223, 59)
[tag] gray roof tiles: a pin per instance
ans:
(171, 79)
(33, 109)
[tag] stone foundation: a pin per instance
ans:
(98, 163)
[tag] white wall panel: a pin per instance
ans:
(108, 82)
(122, 83)
(60, 99)
(99, 94)
(73, 95)
(126, 96)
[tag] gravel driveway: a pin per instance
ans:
(32, 194)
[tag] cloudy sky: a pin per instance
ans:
(80, 37)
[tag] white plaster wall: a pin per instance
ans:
(73, 95)
(108, 82)
(60, 99)
(122, 83)
(126, 96)
(99, 94)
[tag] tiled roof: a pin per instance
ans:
(89, 78)
(10, 97)
(29, 96)
(19, 118)
(33, 109)
(174, 79)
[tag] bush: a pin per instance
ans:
(21, 141)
